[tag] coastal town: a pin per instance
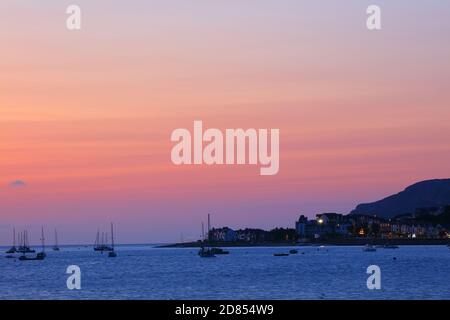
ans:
(425, 224)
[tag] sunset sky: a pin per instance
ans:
(86, 116)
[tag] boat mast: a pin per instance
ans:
(42, 239)
(97, 238)
(112, 236)
(209, 227)
(203, 231)
(14, 237)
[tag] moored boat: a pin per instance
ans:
(280, 254)
(40, 256)
(206, 253)
(56, 247)
(219, 251)
(369, 248)
(13, 249)
(100, 243)
(112, 253)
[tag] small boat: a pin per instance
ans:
(23, 244)
(100, 243)
(293, 251)
(55, 247)
(40, 256)
(13, 248)
(25, 250)
(112, 253)
(390, 246)
(206, 253)
(369, 248)
(219, 251)
(25, 258)
(280, 254)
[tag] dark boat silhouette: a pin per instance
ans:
(100, 243)
(281, 254)
(23, 243)
(55, 247)
(41, 255)
(13, 249)
(112, 253)
(390, 246)
(206, 253)
(219, 251)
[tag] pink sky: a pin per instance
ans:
(86, 116)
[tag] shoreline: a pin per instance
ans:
(329, 242)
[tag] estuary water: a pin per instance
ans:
(146, 272)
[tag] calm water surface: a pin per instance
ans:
(144, 272)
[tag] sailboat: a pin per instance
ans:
(100, 243)
(97, 241)
(55, 247)
(112, 253)
(205, 252)
(214, 250)
(41, 255)
(23, 243)
(13, 248)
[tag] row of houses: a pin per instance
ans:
(329, 225)
(252, 235)
(426, 223)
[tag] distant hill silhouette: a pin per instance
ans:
(429, 193)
